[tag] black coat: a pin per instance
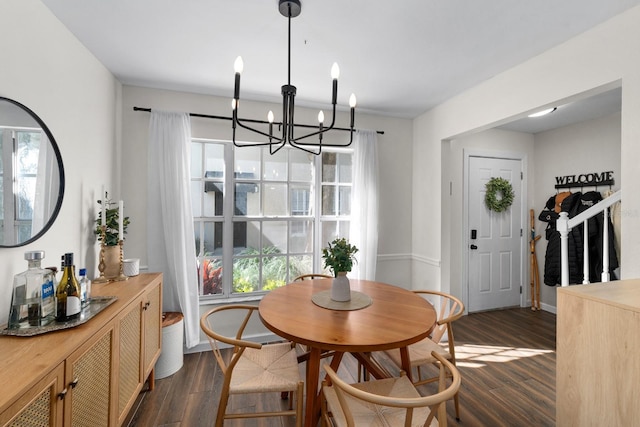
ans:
(573, 205)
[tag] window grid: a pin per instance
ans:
(272, 233)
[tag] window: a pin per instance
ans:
(19, 154)
(256, 216)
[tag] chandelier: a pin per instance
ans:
(290, 9)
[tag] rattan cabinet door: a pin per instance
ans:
(42, 406)
(88, 376)
(130, 357)
(152, 329)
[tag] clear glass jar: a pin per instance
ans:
(33, 297)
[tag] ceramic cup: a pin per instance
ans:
(131, 267)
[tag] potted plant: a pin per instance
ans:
(339, 256)
(109, 238)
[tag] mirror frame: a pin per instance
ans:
(56, 150)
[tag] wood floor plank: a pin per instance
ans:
(506, 359)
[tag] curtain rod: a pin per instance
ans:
(207, 116)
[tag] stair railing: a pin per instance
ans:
(564, 225)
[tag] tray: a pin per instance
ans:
(95, 306)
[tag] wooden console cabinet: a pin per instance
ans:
(598, 354)
(89, 375)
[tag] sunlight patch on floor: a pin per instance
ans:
(477, 356)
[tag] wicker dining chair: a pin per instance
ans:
(253, 367)
(387, 402)
(312, 276)
(449, 309)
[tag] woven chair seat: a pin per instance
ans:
(419, 353)
(370, 414)
(274, 367)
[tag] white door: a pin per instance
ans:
(494, 241)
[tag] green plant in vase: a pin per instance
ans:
(339, 256)
(112, 223)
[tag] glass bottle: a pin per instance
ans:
(85, 287)
(68, 292)
(32, 300)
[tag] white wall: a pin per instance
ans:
(597, 60)
(591, 146)
(45, 68)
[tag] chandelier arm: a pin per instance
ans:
(319, 132)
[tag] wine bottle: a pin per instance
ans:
(68, 292)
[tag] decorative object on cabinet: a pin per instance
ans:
(111, 226)
(34, 165)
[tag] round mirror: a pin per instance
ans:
(31, 175)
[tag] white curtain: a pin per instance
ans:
(364, 204)
(170, 244)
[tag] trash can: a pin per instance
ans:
(171, 358)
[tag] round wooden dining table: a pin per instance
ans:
(394, 318)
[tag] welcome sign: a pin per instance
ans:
(584, 180)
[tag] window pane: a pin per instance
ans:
(211, 276)
(274, 272)
(344, 171)
(301, 199)
(329, 167)
(301, 165)
(247, 199)
(344, 201)
(275, 166)
(298, 265)
(24, 199)
(213, 198)
(247, 237)
(329, 200)
(196, 198)
(212, 244)
(246, 274)
(247, 163)
(196, 160)
(214, 160)
(274, 237)
(275, 199)
(301, 237)
(332, 230)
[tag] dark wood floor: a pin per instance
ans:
(507, 360)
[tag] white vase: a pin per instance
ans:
(340, 289)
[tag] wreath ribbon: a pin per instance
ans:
(499, 194)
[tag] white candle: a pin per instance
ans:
(104, 204)
(120, 220)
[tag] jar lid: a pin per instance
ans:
(33, 255)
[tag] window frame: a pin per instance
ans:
(229, 218)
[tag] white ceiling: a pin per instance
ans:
(401, 58)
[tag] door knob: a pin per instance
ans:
(473, 247)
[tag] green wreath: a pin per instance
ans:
(501, 187)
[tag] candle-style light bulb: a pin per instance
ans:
(320, 117)
(352, 100)
(238, 65)
(335, 71)
(270, 116)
